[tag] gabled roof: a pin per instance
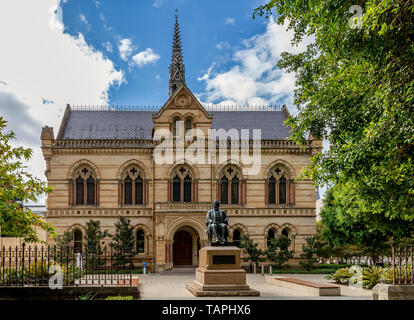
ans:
(138, 125)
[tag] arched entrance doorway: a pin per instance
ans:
(183, 248)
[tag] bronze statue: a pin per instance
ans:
(216, 222)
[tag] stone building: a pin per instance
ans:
(144, 164)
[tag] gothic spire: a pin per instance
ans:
(177, 68)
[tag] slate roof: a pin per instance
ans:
(132, 125)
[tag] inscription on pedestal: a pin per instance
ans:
(224, 259)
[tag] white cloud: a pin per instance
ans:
(157, 4)
(223, 45)
(158, 77)
(85, 21)
(38, 60)
(254, 78)
(230, 21)
(145, 57)
(108, 46)
(125, 48)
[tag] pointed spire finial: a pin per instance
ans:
(177, 68)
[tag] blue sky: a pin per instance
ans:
(89, 52)
(211, 32)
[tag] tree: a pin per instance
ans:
(345, 227)
(17, 186)
(64, 250)
(355, 88)
(278, 251)
(94, 237)
(123, 241)
(254, 254)
(310, 250)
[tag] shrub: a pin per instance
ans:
(278, 251)
(309, 253)
(341, 276)
(38, 273)
(372, 276)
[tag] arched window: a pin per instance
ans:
(128, 190)
(280, 188)
(132, 186)
(182, 185)
(176, 127)
(224, 190)
(140, 241)
(235, 190)
(187, 189)
(176, 189)
(188, 128)
(270, 236)
(77, 240)
(236, 237)
(285, 233)
(139, 190)
(272, 190)
(79, 191)
(230, 186)
(85, 187)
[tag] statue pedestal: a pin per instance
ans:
(220, 274)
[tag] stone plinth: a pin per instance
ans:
(220, 274)
(393, 292)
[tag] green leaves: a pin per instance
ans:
(354, 88)
(17, 185)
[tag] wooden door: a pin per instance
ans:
(183, 248)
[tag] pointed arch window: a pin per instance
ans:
(270, 235)
(140, 241)
(188, 127)
(177, 189)
(133, 187)
(83, 191)
(224, 185)
(285, 233)
(77, 240)
(236, 237)
(280, 187)
(187, 189)
(139, 190)
(79, 191)
(272, 190)
(176, 127)
(230, 186)
(282, 190)
(182, 188)
(128, 191)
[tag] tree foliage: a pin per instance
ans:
(345, 227)
(310, 251)
(94, 241)
(123, 241)
(278, 251)
(355, 88)
(17, 185)
(253, 253)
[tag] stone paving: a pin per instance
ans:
(171, 285)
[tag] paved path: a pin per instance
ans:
(172, 286)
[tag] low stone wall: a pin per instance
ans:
(67, 293)
(393, 292)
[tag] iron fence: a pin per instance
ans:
(40, 266)
(403, 265)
